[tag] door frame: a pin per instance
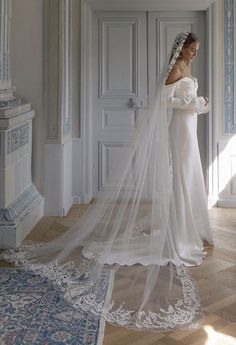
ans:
(212, 31)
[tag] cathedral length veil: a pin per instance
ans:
(127, 235)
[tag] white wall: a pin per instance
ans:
(28, 65)
(27, 71)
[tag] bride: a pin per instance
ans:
(188, 183)
(139, 243)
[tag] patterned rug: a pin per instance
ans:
(33, 312)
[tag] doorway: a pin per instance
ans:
(128, 52)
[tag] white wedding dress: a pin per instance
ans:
(189, 218)
(188, 226)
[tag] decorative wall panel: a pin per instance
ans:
(52, 28)
(113, 59)
(121, 119)
(58, 69)
(111, 155)
(66, 90)
(229, 72)
(17, 137)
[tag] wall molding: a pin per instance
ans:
(229, 75)
(86, 101)
(149, 5)
(58, 42)
(58, 106)
(52, 72)
(214, 90)
(224, 104)
(65, 49)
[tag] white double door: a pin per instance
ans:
(129, 49)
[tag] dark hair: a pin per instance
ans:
(191, 38)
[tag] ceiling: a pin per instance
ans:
(150, 5)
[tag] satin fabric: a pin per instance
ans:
(189, 196)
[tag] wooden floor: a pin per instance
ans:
(216, 278)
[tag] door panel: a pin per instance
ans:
(118, 58)
(120, 83)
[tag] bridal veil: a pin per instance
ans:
(126, 234)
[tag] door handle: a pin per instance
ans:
(137, 103)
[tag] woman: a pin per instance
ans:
(188, 183)
(139, 237)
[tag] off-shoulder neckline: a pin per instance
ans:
(177, 81)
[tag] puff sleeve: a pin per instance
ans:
(186, 102)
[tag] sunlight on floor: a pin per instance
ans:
(217, 338)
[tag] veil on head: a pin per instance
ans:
(126, 236)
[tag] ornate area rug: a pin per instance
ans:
(32, 312)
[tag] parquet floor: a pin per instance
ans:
(216, 278)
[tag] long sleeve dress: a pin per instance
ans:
(189, 222)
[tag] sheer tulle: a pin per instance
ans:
(128, 234)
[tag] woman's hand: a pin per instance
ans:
(206, 101)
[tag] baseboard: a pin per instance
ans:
(76, 200)
(227, 203)
(212, 201)
(67, 206)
